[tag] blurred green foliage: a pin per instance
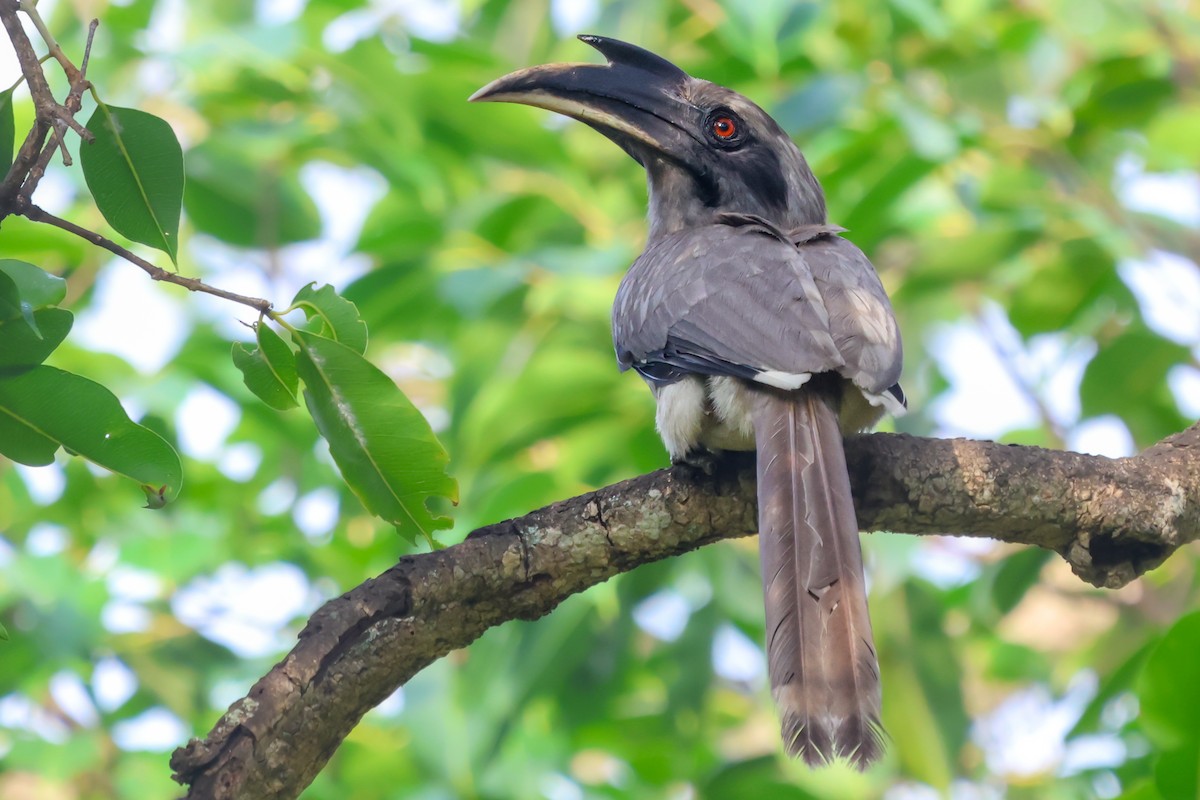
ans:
(978, 151)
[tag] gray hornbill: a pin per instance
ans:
(757, 327)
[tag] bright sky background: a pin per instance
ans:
(249, 610)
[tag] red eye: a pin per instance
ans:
(724, 127)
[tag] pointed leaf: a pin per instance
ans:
(8, 131)
(339, 317)
(268, 370)
(45, 408)
(134, 169)
(384, 447)
(23, 346)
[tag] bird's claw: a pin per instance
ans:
(699, 459)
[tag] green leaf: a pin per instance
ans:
(758, 777)
(339, 317)
(46, 408)
(24, 287)
(1119, 681)
(1125, 91)
(926, 706)
(384, 447)
(35, 286)
(1137, 361)
(134, 169)
(1015, 575)
(10, 299)
(876, 205)
(1173, 139)
(3, 633)
(268, 370)
(1169, 687)
(1175, 772)
(1168, 691)
(8, 131)
(245, 202)
(1081, 275)
(1141, 791)
(926, 15)
(23, 345)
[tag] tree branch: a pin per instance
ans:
(38, 214)
(1111, 519)
(56, 51)
(51, 117)
(43, 101)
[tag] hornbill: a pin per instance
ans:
(756, 326)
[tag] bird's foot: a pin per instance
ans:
(698, 459)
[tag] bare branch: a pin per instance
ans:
(31, 68)
(1111, 519)
(30, 164)
(72, 105)
(87, 48)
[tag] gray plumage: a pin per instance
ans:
(734, 301)
(738, 297)
(820, 652)
(757, 326)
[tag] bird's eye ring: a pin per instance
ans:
(724, 128)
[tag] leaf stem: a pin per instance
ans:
(277, 317)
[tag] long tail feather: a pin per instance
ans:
(820, 653)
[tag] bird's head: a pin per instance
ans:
(706, 149)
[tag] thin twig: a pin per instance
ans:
(37, 214)
(61, 141)
(87, 47)
(30, 163)
(72, 105)
(30, 9)
(31, 68)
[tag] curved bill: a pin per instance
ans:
(634, 99)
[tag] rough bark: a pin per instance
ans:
(1111, 519)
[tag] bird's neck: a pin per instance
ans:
(676, 202)
(680, 200)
